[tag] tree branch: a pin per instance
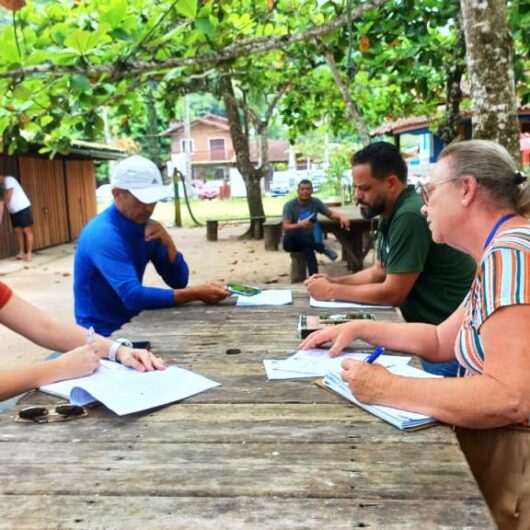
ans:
(252, 46)
(354, 112)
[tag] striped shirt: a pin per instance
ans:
(502, 279)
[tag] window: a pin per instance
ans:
(191, 144)
(217, 148)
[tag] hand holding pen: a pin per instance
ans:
(366, 382)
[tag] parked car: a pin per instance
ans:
(279, 190)
(211, 189)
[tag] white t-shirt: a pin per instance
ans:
(19, 199)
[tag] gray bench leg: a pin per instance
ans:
(298, 267)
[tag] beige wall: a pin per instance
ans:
(201, 135)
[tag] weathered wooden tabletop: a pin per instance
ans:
(250, 454)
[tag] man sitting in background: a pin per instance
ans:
(115, 247)
(300, 221)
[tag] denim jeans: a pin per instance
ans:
(303, 241)
(449, 369)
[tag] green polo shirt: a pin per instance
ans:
(405, 245)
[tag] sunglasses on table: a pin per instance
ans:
(46, 415)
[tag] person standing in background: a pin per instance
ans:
(19, 208)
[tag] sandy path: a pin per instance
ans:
(47, 281)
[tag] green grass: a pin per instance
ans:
(215, 209)
(221, 209)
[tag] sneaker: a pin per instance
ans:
(330, 253)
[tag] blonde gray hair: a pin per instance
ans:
(494, 169)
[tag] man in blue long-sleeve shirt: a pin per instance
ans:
(115, 248)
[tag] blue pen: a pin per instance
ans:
(374, 355)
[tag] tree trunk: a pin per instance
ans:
(489, 49)
(448, 130)
(250, 174)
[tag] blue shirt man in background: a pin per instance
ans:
(115, 247)
(299, 222)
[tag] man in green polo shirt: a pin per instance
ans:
(425, 280)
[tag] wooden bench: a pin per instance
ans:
(212, 226)
(272, 233)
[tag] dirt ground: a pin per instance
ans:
(47, 281)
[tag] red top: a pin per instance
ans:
(5, 294)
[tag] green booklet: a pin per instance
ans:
(307, 324)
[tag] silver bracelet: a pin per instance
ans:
(115, 346)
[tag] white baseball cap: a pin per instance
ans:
(141, 177)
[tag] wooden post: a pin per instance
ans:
(298, 267)
(272, 233)
(211, 230)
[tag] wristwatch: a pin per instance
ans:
(113, 350)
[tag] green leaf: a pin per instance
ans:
(115, 13)
(188, 8)
(84, 41)
(45, 120)
(22, 92)
(4, 123)
(80, 83)
(205, 26)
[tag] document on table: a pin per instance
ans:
(124, 390)
(317, 363)
(268, 297)
(337, 304)
(402, 419)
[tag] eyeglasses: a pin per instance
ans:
(425, 190)
(45, 415)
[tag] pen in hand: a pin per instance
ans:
(374, 355)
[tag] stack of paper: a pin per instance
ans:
(269, 297)
(333, 304)
(124, 390)
(402, 419)
(317, 363)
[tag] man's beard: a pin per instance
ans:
(369, 212)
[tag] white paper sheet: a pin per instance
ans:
(333, 304)
(125, 391)
(269, 297)
(317, 363)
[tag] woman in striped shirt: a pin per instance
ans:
(475, 201)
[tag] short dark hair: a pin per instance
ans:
(305, 181)
(384, 159)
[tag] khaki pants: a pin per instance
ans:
(500, 461)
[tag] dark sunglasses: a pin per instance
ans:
(45, 415)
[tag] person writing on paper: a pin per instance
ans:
(115, 247)
(475, 201)
(81, 358)
(426, 280)
(301, 229)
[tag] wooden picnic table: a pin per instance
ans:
(250, 454)
(355, 242)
